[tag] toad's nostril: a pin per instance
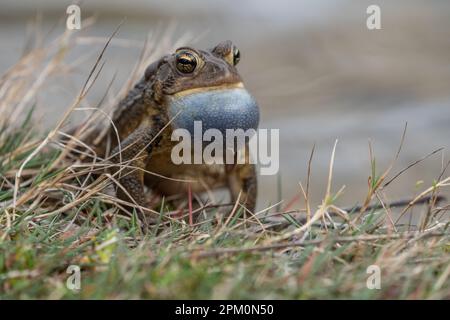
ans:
(221, 109)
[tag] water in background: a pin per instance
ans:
(317, 72)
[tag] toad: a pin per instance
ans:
(176, 90)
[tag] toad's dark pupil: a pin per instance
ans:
(186, 62)
(236, 56)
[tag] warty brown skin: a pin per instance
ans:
(141, 120)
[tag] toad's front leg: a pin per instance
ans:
(130, 158)
(242, 180)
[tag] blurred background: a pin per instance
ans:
(316, 70)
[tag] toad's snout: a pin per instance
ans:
(218, 108)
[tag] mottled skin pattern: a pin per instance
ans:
(141, 116)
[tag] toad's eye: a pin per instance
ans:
(186, 62)
(236, 56)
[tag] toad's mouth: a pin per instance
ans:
(221, 108)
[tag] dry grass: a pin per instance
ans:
(56, 211)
